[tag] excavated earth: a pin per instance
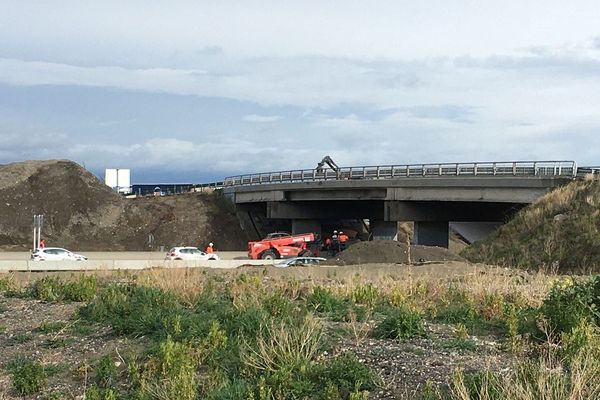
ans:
(81, 213)
(389, 251)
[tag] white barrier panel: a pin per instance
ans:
(91, 265)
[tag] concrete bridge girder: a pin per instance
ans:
(484, 194)
(431, 211)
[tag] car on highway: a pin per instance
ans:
(56, 254)
(299, 262)
(189, 253)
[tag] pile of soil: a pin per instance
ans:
(389, 251)
(83, 214)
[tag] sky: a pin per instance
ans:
(193, 91)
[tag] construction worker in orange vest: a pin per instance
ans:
(343, 239)
(209, 249)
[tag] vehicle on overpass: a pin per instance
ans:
(299, 262)
(56, 254)
(281, 245)
(190, 253)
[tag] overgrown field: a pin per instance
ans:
(561, 231)
(187, 334)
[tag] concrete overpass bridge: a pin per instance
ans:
(472, 198)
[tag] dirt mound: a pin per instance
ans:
(388, 251)
(82, 213)
(561, 230)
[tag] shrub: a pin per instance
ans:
(106, 372)
(282, 346)
(237, 389)
(133, 309)
(95, 393)
(400, 323)
(569, 302)
(82, 289)
(481, 385)
(460, 339)
(365, 294)
(584, 338)
(52, 288)
(49, 288)
(29, 377)
(348, 375)
(7, 285)
(336, 308)
(278, 306)
(169, 374)
(325, 301)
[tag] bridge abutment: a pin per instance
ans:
(429, 233)
(383, 230)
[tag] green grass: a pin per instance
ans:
(28, 377)
(19, 338)
(50, 327)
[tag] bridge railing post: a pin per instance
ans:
(514, 168)
(475, 169)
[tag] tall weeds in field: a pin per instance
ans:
(547, 378)
(281, 346)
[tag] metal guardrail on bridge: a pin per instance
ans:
(567, 169)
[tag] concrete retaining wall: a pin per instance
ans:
(91, 265)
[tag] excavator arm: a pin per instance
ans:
(327, 160)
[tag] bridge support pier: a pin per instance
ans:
(384, 230)
(300, 226)
(474, 231)
(431, 233)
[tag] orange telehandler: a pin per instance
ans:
(281, 245)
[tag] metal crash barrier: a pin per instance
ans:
(566, 169)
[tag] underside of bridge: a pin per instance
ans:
(471, 205)
(432, 219)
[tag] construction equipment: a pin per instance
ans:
(281, 245)
(327, 160)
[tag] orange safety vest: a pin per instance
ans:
(343, 238)
(209, 250)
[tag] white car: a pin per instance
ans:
(56, 254)
(189, 253)
(300, 262)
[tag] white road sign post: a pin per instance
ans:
(38, 222)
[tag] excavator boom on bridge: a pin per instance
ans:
(328, 161)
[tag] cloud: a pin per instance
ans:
(210, 88)
(261, 118)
